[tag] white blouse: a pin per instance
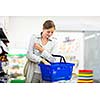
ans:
(35, 56)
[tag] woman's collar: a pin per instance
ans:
(39, 37)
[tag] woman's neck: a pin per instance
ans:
(44, 40)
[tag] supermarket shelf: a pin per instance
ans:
(3, 37)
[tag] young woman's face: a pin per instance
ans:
(47, 33)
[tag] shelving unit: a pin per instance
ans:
(3, 55)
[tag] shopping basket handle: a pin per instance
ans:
(61, 57)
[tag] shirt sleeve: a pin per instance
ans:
(48, 55)
(30, 54)
(45, 54)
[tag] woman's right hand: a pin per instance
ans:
(45, 62)
(38, 47)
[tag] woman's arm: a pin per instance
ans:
(30, 55)
(53, 50)
(45, 54)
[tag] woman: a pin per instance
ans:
(41, 47)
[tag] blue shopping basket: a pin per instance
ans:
(57, 71)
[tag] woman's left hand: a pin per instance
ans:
(38, 47)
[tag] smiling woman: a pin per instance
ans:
(41, 47)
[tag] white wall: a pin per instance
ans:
(20, 30)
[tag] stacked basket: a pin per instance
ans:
(85, 76)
